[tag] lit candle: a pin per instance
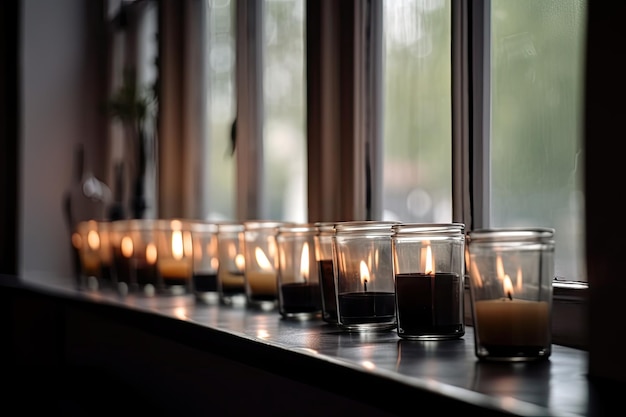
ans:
(365, 275)
(299, 296)
(508, 321)
(261, 281)
(176, 268)
(231, 280)
(90, 256)
(145, 265)
(428, 302)
(366, 306)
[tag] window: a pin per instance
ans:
(278, 161)
(537, 63)
(533, 110)
(532, 54)
(417, 173)
(220, 35)
(437, 110)
(284, 125)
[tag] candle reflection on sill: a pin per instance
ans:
(181, 313)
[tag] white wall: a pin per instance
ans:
(57, 113)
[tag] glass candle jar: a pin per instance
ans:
(364, 275)
(261, 269)
(230, 272)
(429, 280)
(175, 256)
(511, 273)
(324, 258)
(88, 243)
(298, 279)
(133, 244)
(205, 261)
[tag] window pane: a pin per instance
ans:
(284, 103)
(417, 178)
(220, 161)
(536, 131)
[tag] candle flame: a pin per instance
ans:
(365, 274)
(93, 240)
(518, 280)
(177, 245)
(240, 261)
(127, 246)
(304, 262)
(262, 260)
(507, 285)
(430, 261)
(151, 253)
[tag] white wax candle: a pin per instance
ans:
(231, 278)
(174, 268)
(262, 282)
(512, 322)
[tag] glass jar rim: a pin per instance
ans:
(297, 228)
(364, 226)
(430, 228)
(511, 234)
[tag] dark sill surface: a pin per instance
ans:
(446, 370)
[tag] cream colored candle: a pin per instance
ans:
(512, 322)
(231, 279)
(262, 282)
(175, 268)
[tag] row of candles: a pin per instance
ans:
(356, 275)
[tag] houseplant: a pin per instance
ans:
(136, 109)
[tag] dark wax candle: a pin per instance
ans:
(146, 273)
(205, 281)
(366, 307)
(300, 298)
(327, 283)
(428, 304)
(106, 272)
(121, 267)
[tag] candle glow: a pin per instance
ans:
(240, 262)
(127, 246)
(177, 245)
(507, 285)
(151, 253)
(304, 262)
(262, 260)
(430, 262)
(93, 240)
(365, 275)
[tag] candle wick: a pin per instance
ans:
(365, 284)
(509, 295)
